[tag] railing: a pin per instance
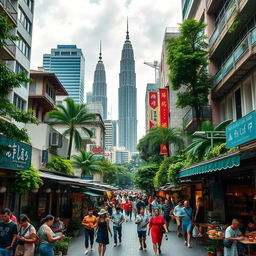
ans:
(186, 8)
(243, 46)
(223, 19)
(191, 114)
(11, 46)
(9, 8)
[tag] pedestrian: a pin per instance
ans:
(8, 233)
(13, 218)
(89, 222)
(139, 204)
(232, 236)
(127, 209)
(187, 223)
(102, 229)
(154, 204)
(157, 228)
(58, 225)
(177, 213)
(118, 220)
(47, 237)
(142, 221)
(26, 237)
(134, 208)
(167, 209)
(199, 217)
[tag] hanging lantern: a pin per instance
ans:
(3, 189)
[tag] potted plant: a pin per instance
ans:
(61, 248)
(210, 251)
(75, 227)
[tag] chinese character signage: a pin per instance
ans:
(153, 101)
(241, 131)
(18, 157)
(152, 108)
(163, 120)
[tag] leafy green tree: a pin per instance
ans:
(60, 164)
(173, 172)
(74, 116)
(201, 144)
(160, 178)
(144, 177)
(9, 81)
(124, 177)
(187, 59)
(108, 170)
(88, 163)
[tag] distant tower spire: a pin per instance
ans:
(127, 32)
(100, 57)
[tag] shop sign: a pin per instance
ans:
(163, 108)
(163, 149)
(18, 157)
(241, 131)
(97, 150)
(153, 102)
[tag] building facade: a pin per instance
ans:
(127, 98)
(68, 63)
(99, 87)
(88, 97)
(120, 155)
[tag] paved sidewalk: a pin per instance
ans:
(130, 245)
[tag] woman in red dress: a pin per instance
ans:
(157, 227)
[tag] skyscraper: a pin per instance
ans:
(127, 96)
(67, 62)
(99, 87)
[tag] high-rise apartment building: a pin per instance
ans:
(88, 97)
(68, 63)
(17, 54)
(108, 134)
(99, 87)
(127, 97)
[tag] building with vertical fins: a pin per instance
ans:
(68, 63)
(127, 98)
(99, 87)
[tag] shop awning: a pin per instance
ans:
(98, 189)
(89, 193)
(217, 164)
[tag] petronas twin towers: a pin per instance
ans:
(127, 95)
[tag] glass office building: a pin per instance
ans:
(68, 63)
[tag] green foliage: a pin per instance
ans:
(74, 116)
(75, 225)
(60, 164)
(124, 176)
(187, 59)
(87, 162)
(161, 178)
(8, 81)
(108, 171)
(217, 151)
(61, 246)
(67, 239)
(173, 172)
(144, 177)
(27, 180)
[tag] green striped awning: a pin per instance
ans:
(217, 164)
(89, 193)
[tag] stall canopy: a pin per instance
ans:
(89, 193)
(217, 164)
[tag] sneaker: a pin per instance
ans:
(86, 252)
(141, 249)
(159, 250)
(115, 244)
(91, 248)
(145, 245)
(120, 241)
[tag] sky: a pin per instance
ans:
(86, 22)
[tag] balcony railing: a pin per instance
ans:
(11, 46)
(223, 19)
(190, 116)
(9, 8)
(243, 46)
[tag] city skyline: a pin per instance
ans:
(85, 29)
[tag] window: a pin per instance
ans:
(18, 69)
(24, 20)
(247, 92)
(30, 4)
(50, 91)
(74, 53)
(93, 132)
(229, 109)
(65, 53)
(57, 53)
(19, 102)
(23, 46)
(238, 103)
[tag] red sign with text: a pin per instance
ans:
(163, 108)
(163, 150)
(153, 101)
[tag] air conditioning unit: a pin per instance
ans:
(55, 139)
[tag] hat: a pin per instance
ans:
(102, 211)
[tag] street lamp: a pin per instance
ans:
(210, 135)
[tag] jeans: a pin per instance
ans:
(46, 250)
(119, 231)
(5, 252)
(88, 234)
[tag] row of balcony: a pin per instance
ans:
(7, 7)
(244, 46)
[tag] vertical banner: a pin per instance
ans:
(163, 119)
(152, 108)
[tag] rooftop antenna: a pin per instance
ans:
(100, 57)
(127, 32)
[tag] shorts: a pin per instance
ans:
(127, 213)
(167, 218)
(186, 227)
(142, 234)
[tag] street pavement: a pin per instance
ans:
(130, 245)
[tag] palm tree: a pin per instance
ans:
(74, 116)
(87, 162)
(201, 144)
(109, 171)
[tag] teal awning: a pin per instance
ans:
(89, 193)
(221, 163)
(97, 189)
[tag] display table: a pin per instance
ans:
(248, 244)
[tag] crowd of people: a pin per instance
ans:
(151, 215)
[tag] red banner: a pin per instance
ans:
(163, 150)
(163, 108)
(153, 101)
(97, 150)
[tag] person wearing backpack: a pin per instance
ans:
(26, 237)
(232, 236)
(187, 223)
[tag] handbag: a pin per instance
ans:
(227, 243)
(23, 234)
(19, 250)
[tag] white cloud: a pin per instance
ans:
(86, 22)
